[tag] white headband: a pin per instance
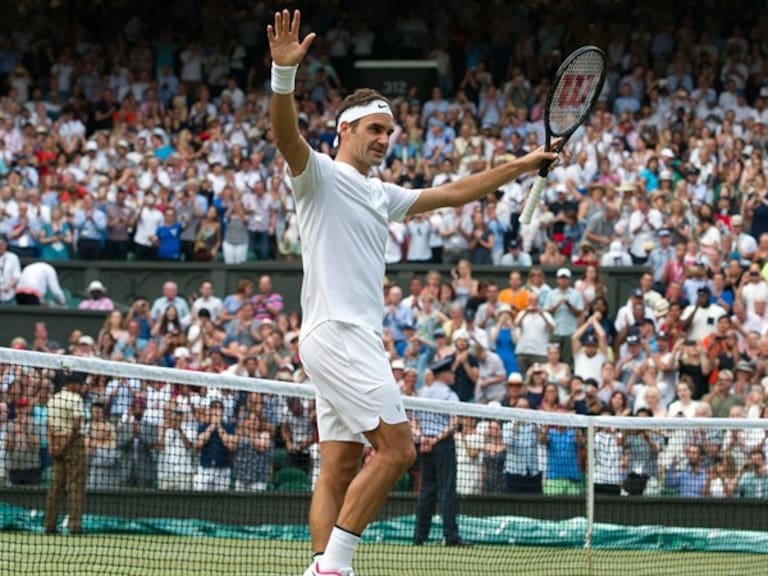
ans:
(349, 115)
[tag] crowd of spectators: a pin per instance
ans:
(161, 149)
(529, 346)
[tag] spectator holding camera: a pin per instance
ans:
(689, 481)
(753, 482)
(533, 326)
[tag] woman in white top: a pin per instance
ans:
(723, 479)
(653, 402)
(755, 401)
(590, 286)
(557, 372)
(685, 405)
(463, 283)
(114, 325)
(469, 444)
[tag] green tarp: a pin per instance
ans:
(490, 530)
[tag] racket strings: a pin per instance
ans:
(575, 92)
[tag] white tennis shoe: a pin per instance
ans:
(315, 570)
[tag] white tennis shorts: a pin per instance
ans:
(353, 381)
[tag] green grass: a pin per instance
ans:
(24, 554)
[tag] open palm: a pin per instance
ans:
(284, 45)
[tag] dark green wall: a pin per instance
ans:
(126, 280)
(20, 321)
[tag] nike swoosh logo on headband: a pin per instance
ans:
(377, 106)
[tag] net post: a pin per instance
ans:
(590, 487)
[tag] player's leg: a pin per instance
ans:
(368, 491)
(357, 397)
(339, 463)
(395, 453)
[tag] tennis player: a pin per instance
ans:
(343, 215)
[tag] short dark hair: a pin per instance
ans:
(360, 97)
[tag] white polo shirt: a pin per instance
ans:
(343, 219)
(150, 219)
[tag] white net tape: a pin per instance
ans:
(144, 372)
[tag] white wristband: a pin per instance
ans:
(283, 79)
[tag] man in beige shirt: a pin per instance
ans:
(66, 443)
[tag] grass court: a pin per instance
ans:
(23, 554)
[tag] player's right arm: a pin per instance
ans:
(286, 51)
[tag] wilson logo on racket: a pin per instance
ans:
(576, 88)
(571, 97)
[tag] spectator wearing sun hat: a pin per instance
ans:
(85, 346)
(97, 298)
(617, 255)
(744, 244)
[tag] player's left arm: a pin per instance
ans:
(479, 185)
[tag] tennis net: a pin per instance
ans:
(537, 492)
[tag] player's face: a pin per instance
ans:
(369, 141)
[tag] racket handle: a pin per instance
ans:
(533, 200)
(544, 168)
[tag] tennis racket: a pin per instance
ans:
(572, 96)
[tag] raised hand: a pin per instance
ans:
(284, 45)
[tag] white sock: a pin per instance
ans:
(340, 549)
